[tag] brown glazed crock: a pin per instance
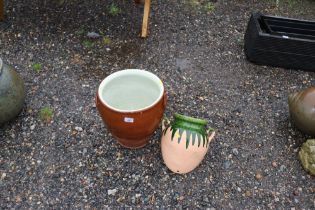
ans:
(135, 134)
(302, 110)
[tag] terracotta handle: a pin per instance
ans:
(211, 136)
(212, 132)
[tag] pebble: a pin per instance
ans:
(18, 199)
(235, 151)
(133, 200)
(226, 164)
(258, 176)
(181, 198)
(3, 175)
(112, 192)
(205, 199)
(248, 193)
(79, 129)
(32, 127)
(120, 199)
(93, 35)
(282, 168)
(274, 164)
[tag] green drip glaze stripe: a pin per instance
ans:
(188, 134)
(180, 131)
(199, 139)
(193, 137)
(173, 132)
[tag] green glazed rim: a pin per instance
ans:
(190, 119)
(196, 133)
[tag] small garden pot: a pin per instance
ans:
(302, 110)
(131, 103)
(12, 93)
(185, 142)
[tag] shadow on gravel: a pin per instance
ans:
(293, 137)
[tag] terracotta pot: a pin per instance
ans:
(12, 93)
(302, 110)
(185, 142)
(131, 103)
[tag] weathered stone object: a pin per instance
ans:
(307, 156)
(302, 110)
(12, 93)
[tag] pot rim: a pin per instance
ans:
(190, 119)
(117, 74)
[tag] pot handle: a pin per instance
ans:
(211, 134)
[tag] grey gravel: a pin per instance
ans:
(112, 192)
(235, 151)
(77, 128)
(282, 168)
(72, 162)
(93, 35)
(227, 164)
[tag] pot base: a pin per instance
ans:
(132, 143)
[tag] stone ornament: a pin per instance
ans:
(12, 93)
(302, 110)
(307, 156)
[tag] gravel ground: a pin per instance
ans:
(73, 162)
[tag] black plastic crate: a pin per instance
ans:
(280, 42)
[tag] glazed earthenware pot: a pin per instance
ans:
(307, 156)
(302, 110)
(131, 103)
(185, 142)
(12, 93)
